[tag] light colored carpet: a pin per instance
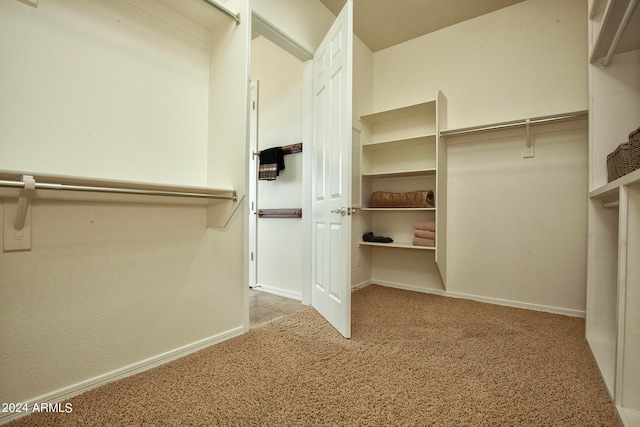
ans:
(414, 360)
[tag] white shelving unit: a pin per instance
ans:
(401, 152)
(609, 23)
(613, 288)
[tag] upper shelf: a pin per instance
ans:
(610, 16)
(401, 142)
(421, 109)
(196, 17)
(206, 13)
(62, 187)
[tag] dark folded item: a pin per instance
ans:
(271, 163)
(369, 237)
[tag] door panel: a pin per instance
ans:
(332, 92)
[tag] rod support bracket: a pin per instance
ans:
(17, 230)
(528, 149)
(23, 201)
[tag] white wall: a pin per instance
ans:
(516, 227)
(101, 89)
(107, 288)
(526, 60)
(280, 240)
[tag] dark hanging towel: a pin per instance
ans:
(271, 163)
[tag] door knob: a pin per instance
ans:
(342, 211)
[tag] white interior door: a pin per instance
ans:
(331, 173)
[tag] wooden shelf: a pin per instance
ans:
(398, 246)
(402, 152)
(82, 195)
(398, 174)
(197, 11)
(420, 109)
(610, 18)
(428, 138)
(611, 189)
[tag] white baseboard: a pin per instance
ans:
(361, 285)
(126, 371)
(629, 417)
(409, 287)
(490, 300)
(280, 292)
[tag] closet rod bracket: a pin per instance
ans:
(528, 149)
(23, 201)
(17, 233)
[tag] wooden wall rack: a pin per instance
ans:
(288, 149)
(280, 213)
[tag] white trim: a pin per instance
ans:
(262, 26)
(409, 287)
(361, 285)
(126, 371)
(490, 300)
(253, 183)
(307, 164)
(628, 416)
(277, 291)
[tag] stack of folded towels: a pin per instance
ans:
(425, 233)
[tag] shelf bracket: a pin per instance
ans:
(17, 233)
(528, 149)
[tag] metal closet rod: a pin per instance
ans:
(65, 187)
(223, 9)
(518, 123)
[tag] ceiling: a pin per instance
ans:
(384, 23)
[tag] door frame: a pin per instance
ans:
(253, 183)
(271, 32)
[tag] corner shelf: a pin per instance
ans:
(401, 151)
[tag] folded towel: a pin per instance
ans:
(411, 199)
(271, 163)
(425, 234)
(419, 241)
(426, 225)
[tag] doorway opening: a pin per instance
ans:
(277, 264)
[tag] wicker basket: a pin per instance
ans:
(625, 158)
